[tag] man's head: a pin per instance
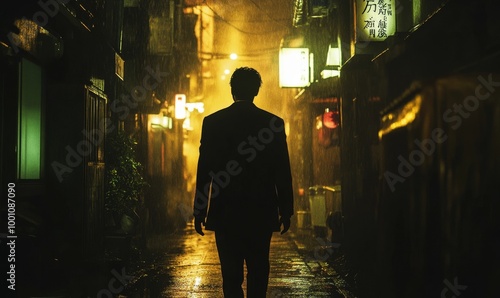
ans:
(245, 83)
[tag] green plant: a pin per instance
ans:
(124, 181)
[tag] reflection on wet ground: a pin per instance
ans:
(187, 265)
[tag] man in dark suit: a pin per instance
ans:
(244, 185)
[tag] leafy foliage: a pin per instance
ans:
(124, 181)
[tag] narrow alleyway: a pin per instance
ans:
(187, 265)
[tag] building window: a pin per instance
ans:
(30, 121)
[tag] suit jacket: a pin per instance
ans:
(244, 177)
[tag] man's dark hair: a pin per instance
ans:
(245, 83)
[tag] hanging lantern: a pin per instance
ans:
(331, 119)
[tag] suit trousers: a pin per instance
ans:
(234, 249)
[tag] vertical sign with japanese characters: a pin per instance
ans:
(376, 19)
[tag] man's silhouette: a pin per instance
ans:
(244, 181)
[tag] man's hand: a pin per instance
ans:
(285, 221)
(197, 225)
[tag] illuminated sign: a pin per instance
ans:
(119, 67)
(294, 67)
(333, 56)
(180, 106)
(376, 19)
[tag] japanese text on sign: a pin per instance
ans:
(376, 19)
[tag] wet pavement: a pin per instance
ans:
(184, 264)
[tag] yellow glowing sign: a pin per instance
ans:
(376, 19)
(294, 68)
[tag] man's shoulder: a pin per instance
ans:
(233, 111)
(269, 114)
(217, 114)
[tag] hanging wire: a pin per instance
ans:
(254, 53)
(241, 21)
(268, 15)
(218, 16)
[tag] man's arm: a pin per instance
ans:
(283, 179)
(201, 198)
